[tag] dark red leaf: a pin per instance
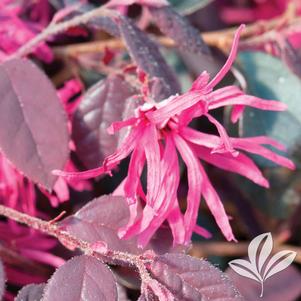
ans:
(100, 220)
(107, 101)
(177, 27)
(31, 292)
(33, 124)
(147, 56)
(290, 56)
(192, 279)
(83, 278)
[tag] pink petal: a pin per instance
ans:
(202, 231)
(195, 185)
(175, 106)
(118, 125)
(131, 185)
(241, 164)
(232, 56)
(248, 100)
(110, 162)
(168, 194)
(260, 150)
(226, 145)
(237, 112)
(201, 82)
(216, 207)
(152, 154)
(43, 257)
(176, 223)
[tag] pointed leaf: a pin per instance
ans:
(284, 259)
(192, 279)
(147, 56)
(179, 29)
(105, 102)
(83, 278)
(33, 124)
(31, 292)
(100, 220)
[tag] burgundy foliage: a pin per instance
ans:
(31, 292)
(81, 278)
(146, 55)
(101, 105)
(34, 134)
(65, 234)
(192, 279)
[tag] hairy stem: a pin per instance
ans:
(108, 256)
(54, 29)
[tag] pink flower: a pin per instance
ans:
(258, 10)
(160, 131)
(15, 32)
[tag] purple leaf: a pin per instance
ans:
(104, 23)
(100, 220)
(192, 279)
(34, 134)
(105, 102)
(83, 278)
(177, 27)
(290, 56)
(31, 292)
(283, 286)
(2, 280)
(147, 56)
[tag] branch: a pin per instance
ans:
(108, 256)
(229, 249)
(221, 38)
(54, 29)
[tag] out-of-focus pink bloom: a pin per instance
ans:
(160, 131)
(15, 32)
(258, 10)
(70, 89)
(19, 193)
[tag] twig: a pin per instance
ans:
(229, 249)
(54, 29)
(108, 256)
(221, 39)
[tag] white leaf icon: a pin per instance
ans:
(284, 259)
(259, 250)
(265, 252)
(244, 268)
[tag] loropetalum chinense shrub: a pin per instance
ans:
(60, 142)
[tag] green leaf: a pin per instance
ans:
(188, 7)
(267, 77)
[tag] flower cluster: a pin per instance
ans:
(160, 131)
